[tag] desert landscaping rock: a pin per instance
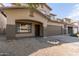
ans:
(39, 47)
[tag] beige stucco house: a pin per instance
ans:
(70, 27)
(21, 24)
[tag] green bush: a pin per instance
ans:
(74, 35)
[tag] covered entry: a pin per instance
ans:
(28, 28)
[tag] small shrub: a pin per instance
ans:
(74, 35)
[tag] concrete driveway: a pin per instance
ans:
(69, 47)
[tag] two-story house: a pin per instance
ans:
(21, 24)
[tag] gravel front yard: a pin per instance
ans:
(40, 46)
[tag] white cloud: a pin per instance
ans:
(74, 14)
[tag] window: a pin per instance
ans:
(23, 27)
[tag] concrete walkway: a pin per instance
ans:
(39, 46)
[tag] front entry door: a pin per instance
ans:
(37, 30)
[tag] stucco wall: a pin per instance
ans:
(2, 23)
(16, 14)
(55, 23)
(23, 14)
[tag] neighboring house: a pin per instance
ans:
(20, 24)
(70, 27)
(76, 27)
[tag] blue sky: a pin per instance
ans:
(70, 10)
